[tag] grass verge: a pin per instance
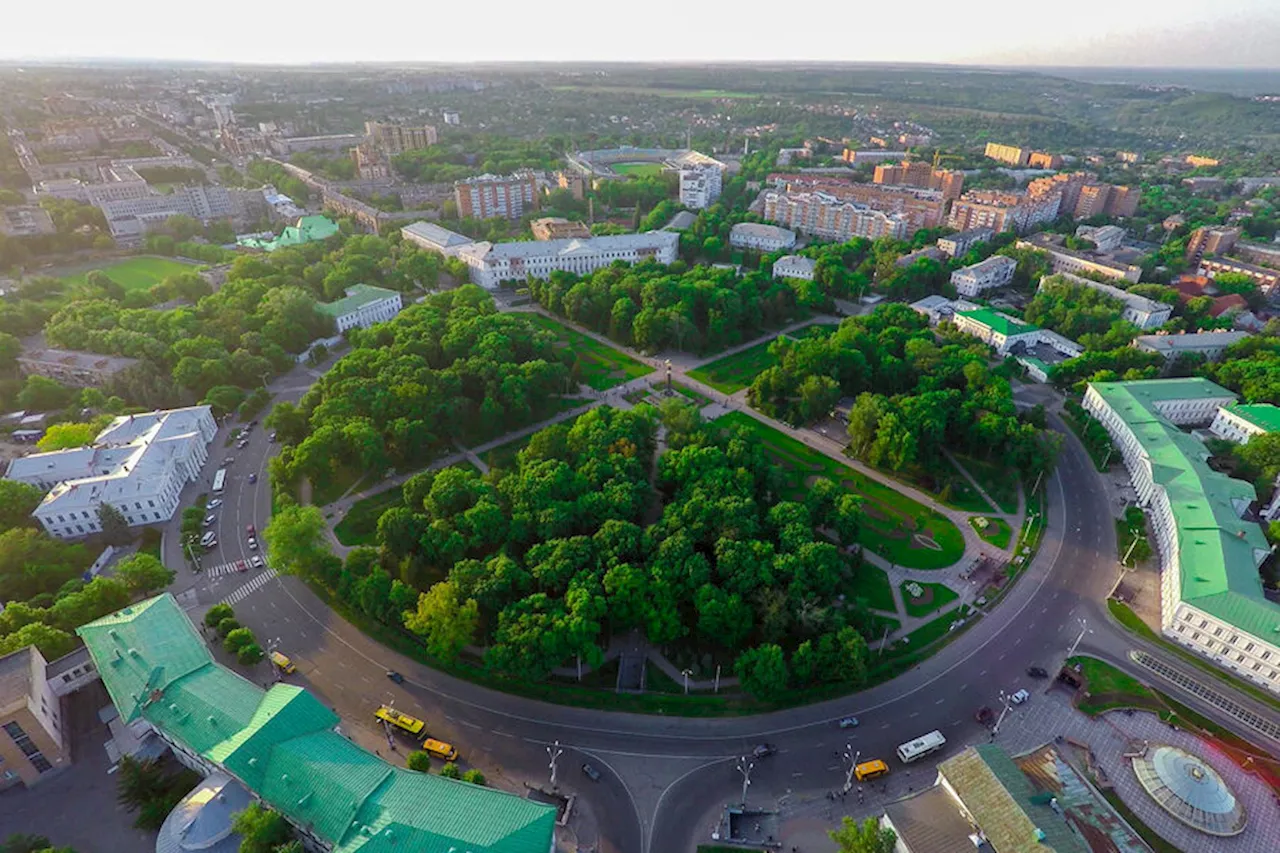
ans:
(935, 596)
(997, 531)
(360, 525)
(735, 372)
(1000, 484)
(870, 585)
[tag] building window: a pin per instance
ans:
(1249, 647)
(1217, 632)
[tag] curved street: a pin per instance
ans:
(663, 779)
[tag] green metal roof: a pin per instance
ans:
(1219, 552)
(357, 295)
(997, 322)
(308, 229)
(282, 745)
(1262, 415)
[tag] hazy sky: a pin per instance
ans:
(1181, 33)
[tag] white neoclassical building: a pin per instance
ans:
(493, 263)
(138, 464)
(995, 271)
(1211, 597)
(794, 266)
(363, 306)
(1240, 422)
(760, 237)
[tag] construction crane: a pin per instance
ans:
(938, 157)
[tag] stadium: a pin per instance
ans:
(616, 163)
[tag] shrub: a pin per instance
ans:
(226, 626)
(237, 640)
(475, 777)
(216, 614)
(451, 771)
(418, 760)
(250, 654)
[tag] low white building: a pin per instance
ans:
(999, 330)
(761, 238)
(1240, 422)
(794, 266)
(1139, 310)
(434, 238)
(493, 263)
(940, 309)
(363, 306)
(961, 242)
(138, 464)
(1105, 237)
(700, 185)
(1211, 596)
(1209, 344)
(995, 271)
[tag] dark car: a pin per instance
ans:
(253, 478)
(1037, 672)
(764, 750)
(591, 773)
(395, 676)
(985, 716)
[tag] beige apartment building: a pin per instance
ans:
(32, 745)
(398, 138)
(1011, 154)
(920, 173)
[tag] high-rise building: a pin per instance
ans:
(1210, 241)
(1044, 160)
(398, 138)
(920, 173)
(1124, 201)
(1003, 211)
(572, 181)
(1083, 195)
(699, 186)
(370, 163)
(1011, 154)
(488, 196)
(824, 215)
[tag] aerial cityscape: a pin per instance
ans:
(639, 456)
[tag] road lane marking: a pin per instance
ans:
(940, 701)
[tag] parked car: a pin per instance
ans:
(985, 716)
(253, 478)
(209, 519)
(591, 773)
(242, 444)
(849, 723)
(764, 750)
(256, 561)
(395, 676)
(213, 504)
(228, 460)
(1020, 697)
(1037, 672)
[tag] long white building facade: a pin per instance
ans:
(493, 263)
(822, 215)
(138, 464)
(1211, 596)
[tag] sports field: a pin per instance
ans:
(640, 170)
(135, 273)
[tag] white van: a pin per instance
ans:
(209, 539)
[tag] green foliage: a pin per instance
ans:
(1081, 313)
(41, 394)
(216, 614)
(295, 539)
(68, 435)
(451, 771)
(445, 622)
(226, 625)
(152, 788)
(1251, 368)
(249, 654)
(261, 830)
(143, 573)
(17, 501)
(864, 837)
(115, 527)
(418, 760)
(237, 639)
(30, 843)
(475, 777)
(474, 155)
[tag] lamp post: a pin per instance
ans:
(1004, 700)
(744, 767)
(554, 752)
(852, 758)
(272, 645)
(668, 362)
(686, 673)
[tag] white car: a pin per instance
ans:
(255, 561)
(253, 546)
(1020, 697)
(213, 504)
(209, 519)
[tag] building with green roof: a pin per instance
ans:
(1240, 422)
(282, 744)
(995, 328)
(1211, 597)
(363, 306)
(307, 229)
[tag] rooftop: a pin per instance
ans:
(77, 359)
(573, 245)
(930, 821)
(358, 296)
(281, 744)
(1189, 341)
(439, 237)
(1262, 415)
(307, 229)
(1219, 552)
(988, 264)
(15, 677)
(764, 232)
(1000, 323)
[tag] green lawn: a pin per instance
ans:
(136, 273)
(336, 486)
(1108, 688)
(686, 391)
(935, 596)
(735, 372)
(892, 521)
(640, 170)
(870, 585)
(1000, 483)
(601, 366)
(947, 484)
(360, 525)
(997, 531)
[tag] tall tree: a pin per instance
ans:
(445, 621)
(115, 528)
(261, 830)
(295, 539)
(864, 837)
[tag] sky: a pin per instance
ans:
(1151, 33)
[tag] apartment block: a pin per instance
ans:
(858, 158)
(700, 186)
(487, 196)
(824, 215)
(960, 243)
(1044, 160)
(393, 139)
(572, 181)
(1064, 260)
(1210, 241)
(32, 743)
(920, 173)
(1011, 154)
(1003, 211)
(1267, 279)
(1198, 160)
(1128, 156)
(1083, 196)
(995, 271)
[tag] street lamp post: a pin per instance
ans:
(744, 767)
(852, 758)
(554, 752)
(1084, 629)
(668, 361)
(1004, 701)
(686, 673)
(272, 645)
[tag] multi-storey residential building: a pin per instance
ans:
(1123, 201)
(283, 745)
(920, 173)
(922, 208)
(1259, 253)
(1206, 240)
(1128, 156)
(960, 243)
(371, 163)
(335, 142)
(74, 368)
(1139, 310)
(488, 196)
(932, 253)
(393, 139)
(760, 238)
(1003, 211)
(32, 743)
(130, 218)
(1211, 597)
(138, 464)
(1044, 160)
(363, 306)
(1011, 154)
(995, 271)
(1198, 160)
(493, 263)
(1064, 260)
(1268, 279)
(794, 266)
(1211, 345)
(1084, 196)
(1239, 422)
(857, 158)
(699, 186)
(572, 181)
(824, 215)
(558, 228)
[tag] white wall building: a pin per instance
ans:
(363, 306)
(1139, 310)
(961, 242)
(1105, 237)
(794, 266)
(1209, 344)
(1211, 597)
(761, 238)
(434, 238)
(700, 186)
(995, 271)
(138, 464)
(999, 330)
(1241, 422)
(493, 263)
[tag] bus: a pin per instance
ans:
(921, 746)
(403, 722)
(219, 480)
(439, 749)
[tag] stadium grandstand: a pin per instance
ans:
(603, 163)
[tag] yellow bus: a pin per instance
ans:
(403, 722)
(439, 749)
(870, 770)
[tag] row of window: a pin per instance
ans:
(23, 741)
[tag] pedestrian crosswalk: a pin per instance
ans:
(227, 569)
(251, 587)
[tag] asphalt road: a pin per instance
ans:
(663, 776)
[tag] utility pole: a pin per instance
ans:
(851, 758)
(554, 752)
(745, 766)
(272, 645)
(1004, 700)
(668, 377)
(1084, 629)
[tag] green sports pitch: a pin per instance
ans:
(640, 170)
(135, 273)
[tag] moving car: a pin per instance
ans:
(271, 436)
(286, 665)
(253, 478)
(591, 773)
(395, 676)
(250, 529)
(213, 504)
(1020, 697)
(1037, 672)
(256, 561)
(253, 544)
(228, 460)
(439, 749)
(242, 566)
(764, 750)
(870, 770)
(849, 723)
(985, 716)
